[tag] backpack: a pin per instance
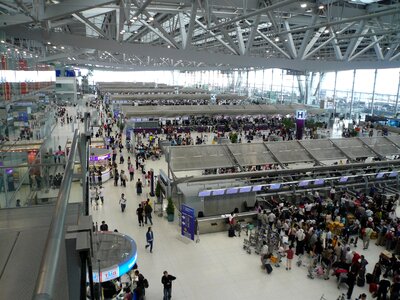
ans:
(145, 283)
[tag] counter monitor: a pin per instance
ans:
(343, 179)
(231, 191)
(218, 192)
(204, 193)
(245, 189)
(275, 186)
(303, 183)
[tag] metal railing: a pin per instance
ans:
(45, 282)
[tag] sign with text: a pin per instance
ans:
(301, 114)
(187, 226)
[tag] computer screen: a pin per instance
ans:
(303, 183)
(393, 174)
(256, 188)
(218, 192)
(343, 179)
(204, 193)
(231, 191)
(275, 186)
(380, 175)
(319, 181)
(245, 189)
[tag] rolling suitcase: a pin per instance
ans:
(360, 281)
(370, 278)
(268, 268)
(231, 231)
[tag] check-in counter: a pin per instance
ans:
(220, 223)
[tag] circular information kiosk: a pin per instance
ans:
(114, 254)
(98, 161)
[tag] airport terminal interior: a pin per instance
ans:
(200, 149)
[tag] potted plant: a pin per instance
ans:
(170, 210)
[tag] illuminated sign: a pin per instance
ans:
(301, 114)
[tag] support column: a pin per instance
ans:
(262, 86)
(397, 96)
(281, 86)
(352, 93)
(334, 96)
(373, 93)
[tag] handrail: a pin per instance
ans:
(45, 282)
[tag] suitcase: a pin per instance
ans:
(373, 287)
(360, 281)
(370, 278)
(231, 232)
(268, 268)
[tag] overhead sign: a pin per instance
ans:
(301, 114)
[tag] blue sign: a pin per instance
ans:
(187, 226)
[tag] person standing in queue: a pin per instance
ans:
(139, 213)
(139, 186)
(139, 292)
(147, 212)
(122, 202)
(149, 239)
(166, 280)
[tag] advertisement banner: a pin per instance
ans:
(188, 222)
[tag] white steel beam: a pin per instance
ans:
(377, 47)
(275, 46)
(307, 36)
(182, 29)
(89, 24)
(313, 41)
(204, 56)
(239, 37)
(193, 12)
(355, 42)
(157, 32)
(252, 34)
(226, 35)
(366, 48)
(333, 39)
(217, 37)
(141, 8)
(394, 57)
(290, 43)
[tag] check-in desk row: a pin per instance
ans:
(220, 223)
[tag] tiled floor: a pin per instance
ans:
(217, 267)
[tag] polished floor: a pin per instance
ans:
(215, 268)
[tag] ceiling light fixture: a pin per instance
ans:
(48, 43)
(2, 41)
(54, 47)
(277, 39)
(303, 5)
(326, 31)
(151, 18)
(62, 47)
(321, 7)
(122, 31)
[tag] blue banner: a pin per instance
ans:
(187, 226)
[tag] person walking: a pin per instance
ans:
(122, 201)
(149, 239)
(101, 194)
(166, 280)
(366, 236)
(351, 281)
(123, 178)
(139, 187)
(131, 172)
(147, 212)
(289, 258)
(140, 285)
(139, 213)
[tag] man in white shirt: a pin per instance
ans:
(271, 219)
(122, 202)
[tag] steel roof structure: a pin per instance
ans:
(314, 35)
(202, 157)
